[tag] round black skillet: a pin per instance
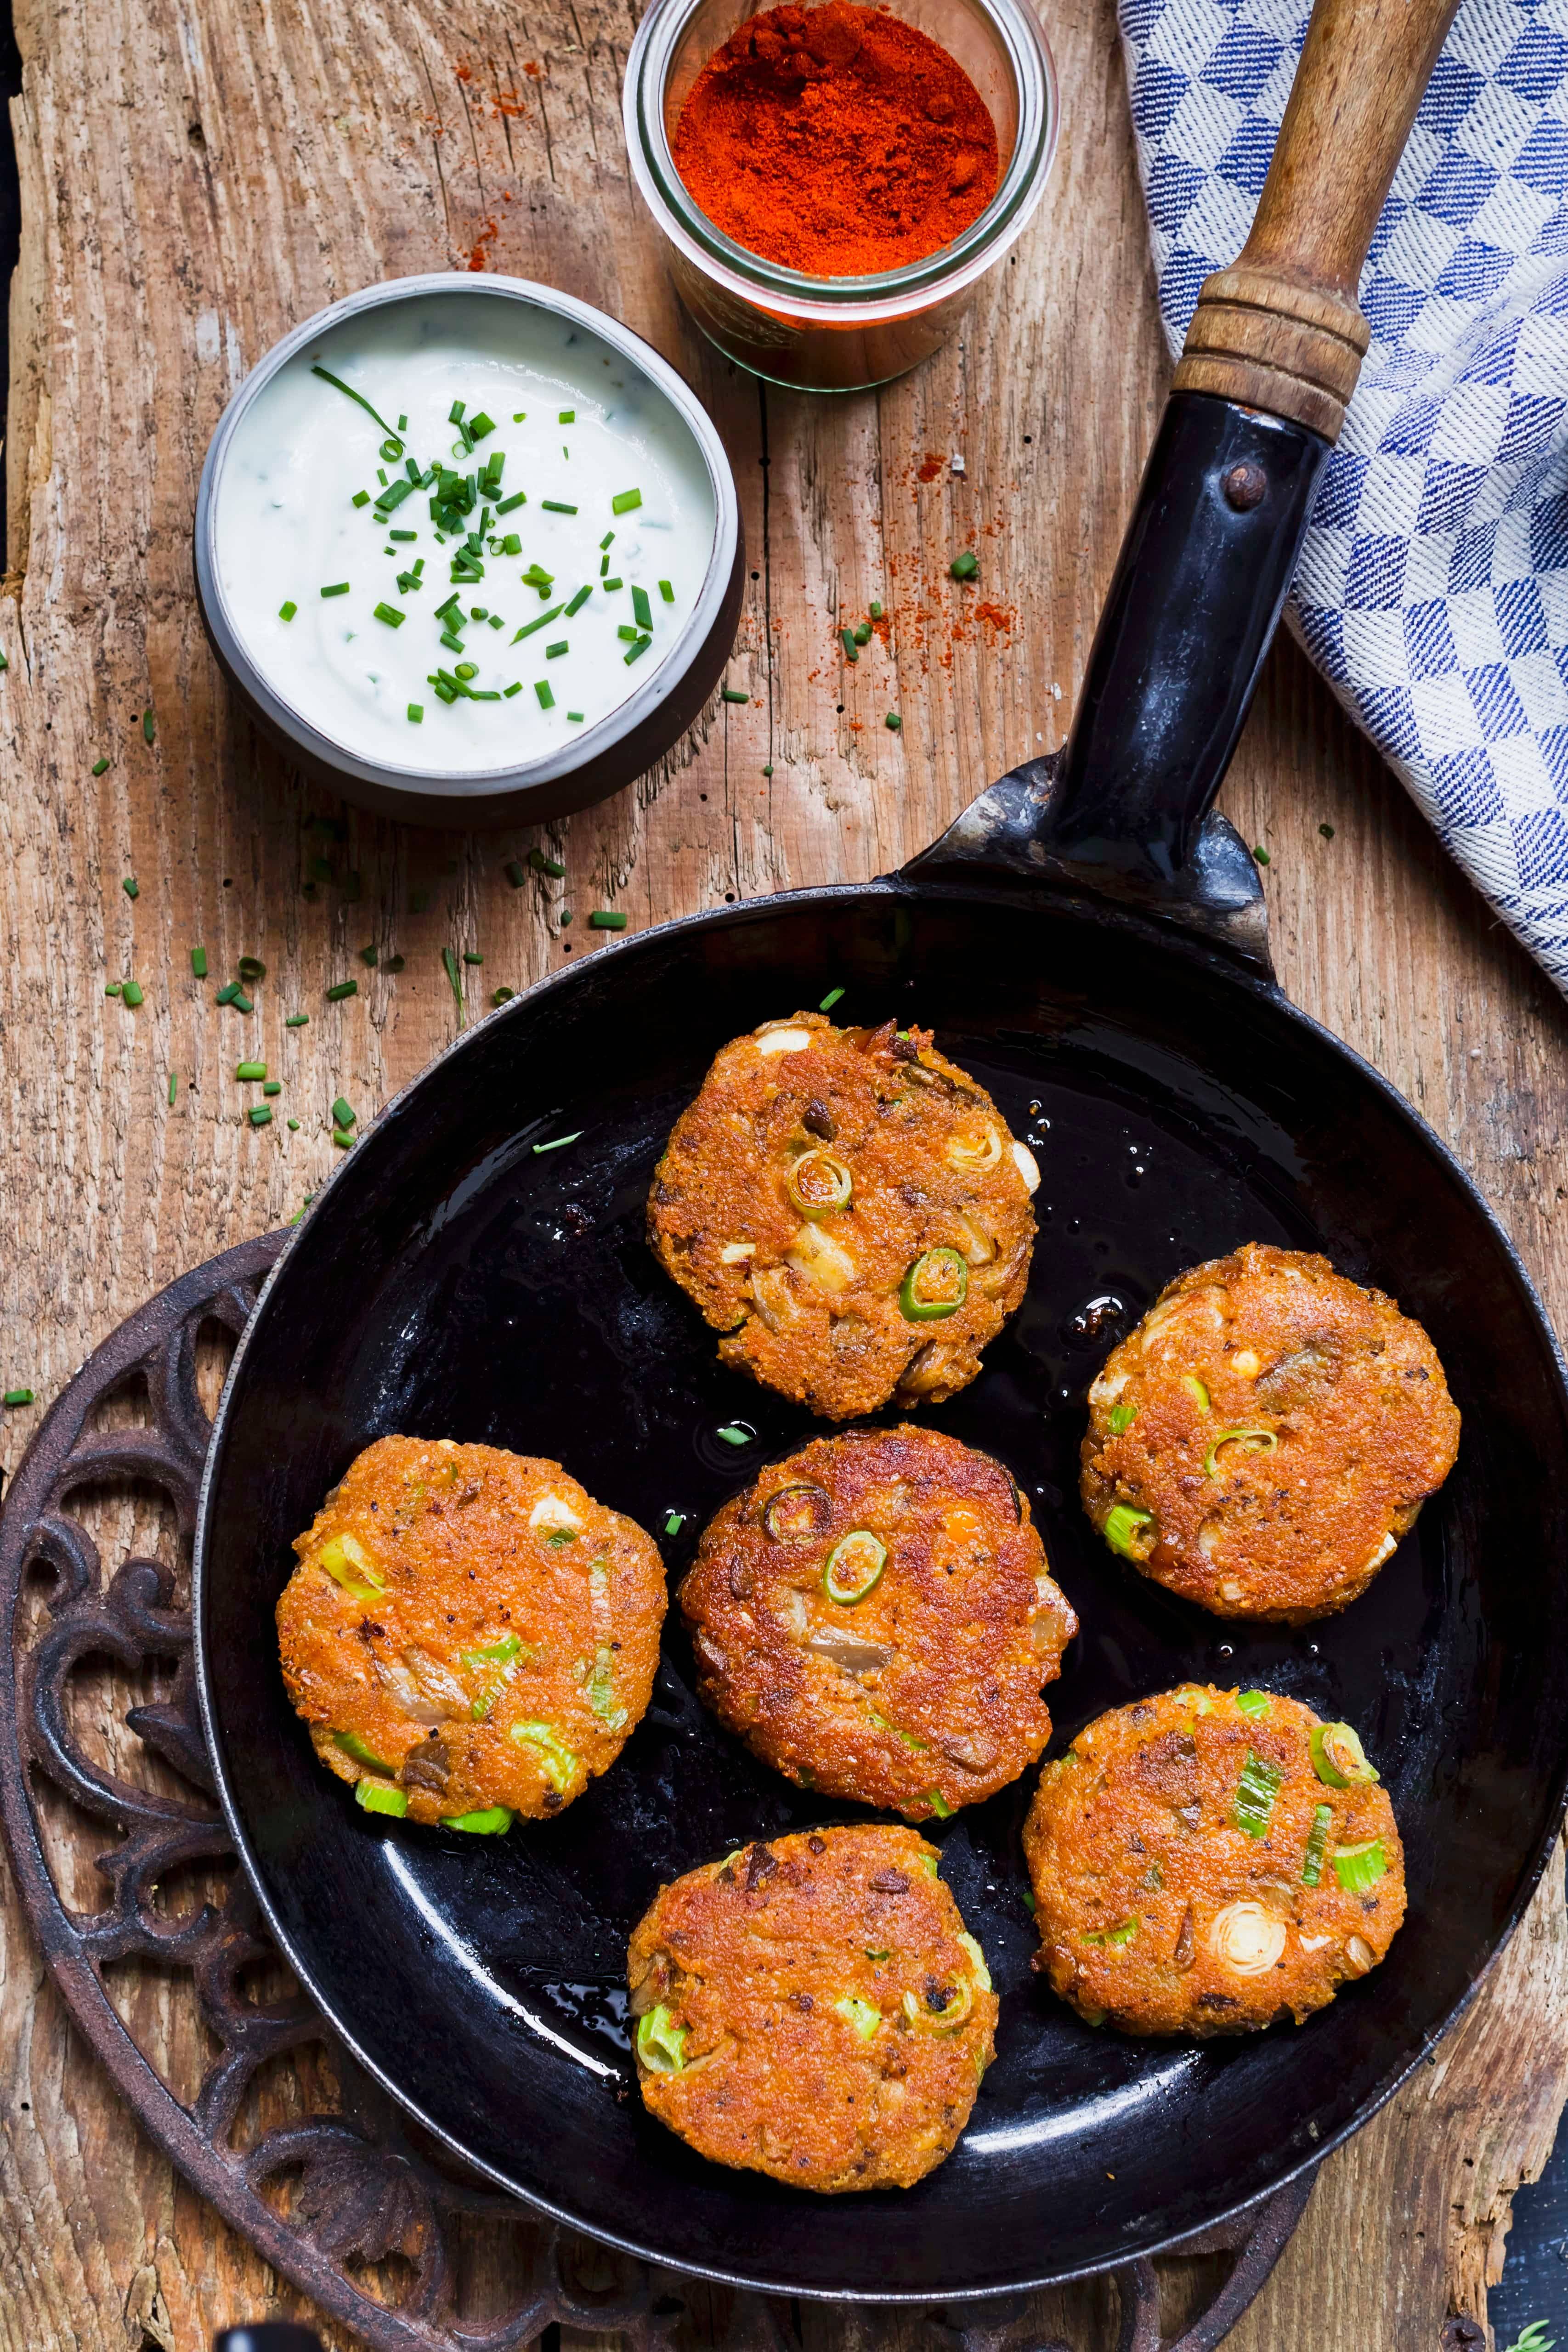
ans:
(1092, 945)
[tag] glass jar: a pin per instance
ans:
(839, 335)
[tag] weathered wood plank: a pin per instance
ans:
(197, 175)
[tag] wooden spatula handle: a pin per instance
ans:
(1280, 330)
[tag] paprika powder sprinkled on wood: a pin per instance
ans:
(837, 140)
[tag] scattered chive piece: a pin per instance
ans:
(642, 611)
(557, 1143)
(273, 1087)
(173, 1087)
(480, 425)
(339, 588)
(1326, 830)
(519, 415)
(228, 992)
(893, 722)
(112, 987)
(298, 1020)
(576, 716)
(147, 729)
(390, 615)
(400, 537)
(518, 499)
(199, 962)
(455, 414)
(417, 712)
(131, 887)
(360, 498)
(131, 994)
(605, 541)
(830, 1000)
(449, 965)
(733, 694)
(259, 1114)
(343, 988)
(964, 566)
(247, 1071)
(666, 592)
(472, 955)
(609, 586)
(768, 770)
(602, 920)
(514, 871)
(628, 633)
(733, 1434)
(342, 1116)
(449, 639)
(578, 601)
(515, 688)
(846, 639)
(327, 377)
(675, 1522)
(99, 766)
(545, 692)
(503, 995)
(370, 955)
(251, 968)
(567, 416)
(636, 653)
(1261, 854)
(555, 505)
(529, 627)
(293, 1127)
(18, 1396)
(625, 500)
(342, 1138)
(4, 663)
(510, 545)
(566, 916)
(241, 1002)
(876, 612)
(559, 646)
(862, 632)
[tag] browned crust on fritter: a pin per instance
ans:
(1136, 1823)
(929, 1684)
(747, 1958)
(1350, 1391)
(448, 1530)
(892, 1109)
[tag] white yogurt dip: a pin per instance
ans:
(578, 428)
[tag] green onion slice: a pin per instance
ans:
(348, 1563)
(1338, 1759)
(489, 1820)
(353, 1745)
(854, 1567)
(797, 1512)
(557, 1761)
(1251, 1440)
(935, 1285)
(661, 2044)
(1317, 1845)
(1255, 1795)
(372, 1798)
(1198, 1392)
(1120, 1417)
(1121, 1528)
(818, 1183)
(863, 2015)
(1359, 1868)
(1254, 1703)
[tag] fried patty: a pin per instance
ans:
(1200, 1866)
(849, 1209)
(469, 1634)
(1263, 1439)
(875, 1618)
(813, 2009)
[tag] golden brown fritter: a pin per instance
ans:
(813, 2009)
(875, 1618)
(1263, 1439)
(849, 1210)
(468, 1632)
(1200, 1866)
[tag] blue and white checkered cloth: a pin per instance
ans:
(1433, 588)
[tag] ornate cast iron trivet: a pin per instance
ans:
(331, 2197)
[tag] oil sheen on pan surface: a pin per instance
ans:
(464, 1285)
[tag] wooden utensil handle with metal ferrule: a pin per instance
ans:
(1280, 330)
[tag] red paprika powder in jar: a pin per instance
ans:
(837, 140)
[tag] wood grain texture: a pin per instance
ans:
(198, 176)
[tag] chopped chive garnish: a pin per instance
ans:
(467, 670)
(327, 377)
(99, 766)
(666, 592)
(605, 541)
(735, 1433)
(199, 962)
(131, 887)
(449, 639)
(846, 639)
(339, 588)
(604, 566)
(1327, 830)
(18, 1396)
(642, 611)
(343, 1115)
(503, 995)
(259, 1114)
(228, 992)
(567, 416)
(556, 506)
(863, 632)
(343, 1138)
(112, 987)
(674, 1523)
(273, 1087)
(768, 770)
(636, 653)
(390, 615)
(241, 1002)
(733, 694)
(603, 919)
(455, 414)
(480, 425)
(147, 726)
(579, 599)
(370, 955)
(393, 494)
(336, 993)
(830, 1000)
(398, 538)
(576, 716)
(173, 1087)
(518, 499)
(251, 968)
(609, 586)
(360, 498)
(559, 1140)
(287, 609)
(893, 722)
(529, 627)
(249, 1072)
(628, 633)
(551, 652)
(519, 415)
(545, 693)
(515, 688)
(449, 966)
(625, 500)
(1261, 854)
(512, 544)
(417, 712)
(472, 955)
(515, 873)
(551, 866)
(293, 1127)
(298, 1020)
(876, 610)
(964, 566)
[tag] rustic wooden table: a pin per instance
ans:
(199, 174)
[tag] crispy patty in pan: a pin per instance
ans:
(468, 1635)
(1263, 1439)
(875, 1618)
(849, 1208)
(1207, 1861)
(813, 2008)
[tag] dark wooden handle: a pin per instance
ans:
(1280, 330)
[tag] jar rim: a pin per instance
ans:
(842, 301)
